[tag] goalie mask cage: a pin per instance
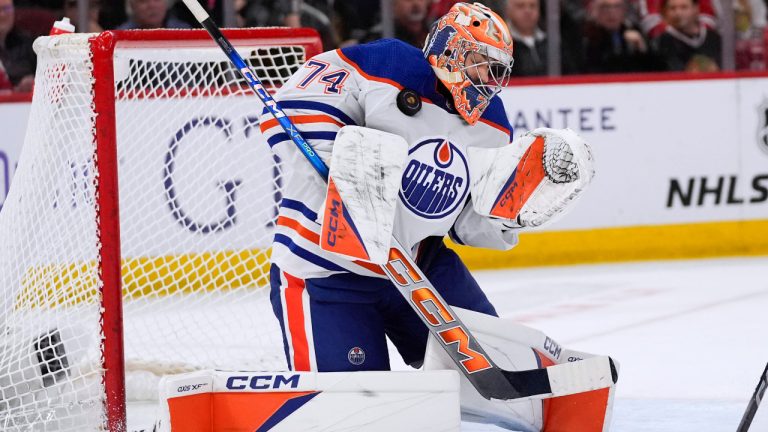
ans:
(134, 238)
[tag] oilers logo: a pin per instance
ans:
(436, 180)
(356, 356)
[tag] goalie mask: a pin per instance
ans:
(470, 50)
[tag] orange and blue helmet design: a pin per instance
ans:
(470, 49)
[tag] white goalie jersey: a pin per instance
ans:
(360, 86)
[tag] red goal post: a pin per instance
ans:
(141, 211)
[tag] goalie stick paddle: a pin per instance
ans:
(754, 402)
(488, 379)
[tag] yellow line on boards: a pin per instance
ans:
(46, 286)
(145, 277)
(658, 242)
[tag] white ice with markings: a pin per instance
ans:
(690, 336)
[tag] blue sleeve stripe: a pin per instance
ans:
(299, 207)
(317, 106)
(495, 116)
(307, 255)
(282, 136)
(455, 237)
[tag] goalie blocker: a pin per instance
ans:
(361, 198)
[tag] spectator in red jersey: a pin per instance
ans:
(151, 14)
(687, 43)
(613, 44)
(750, 25)
(16, 52)
(530, 42)
(653, 23)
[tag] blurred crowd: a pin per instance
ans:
(597, 36)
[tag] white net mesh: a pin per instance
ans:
(198, 192)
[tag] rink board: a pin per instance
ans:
(678, 175)
(653, 242)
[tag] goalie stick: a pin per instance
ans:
(754, 402)
(488, 379)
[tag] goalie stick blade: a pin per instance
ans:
(559, 380)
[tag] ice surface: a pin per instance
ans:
(690, 336)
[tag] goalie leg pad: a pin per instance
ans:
(588, 412)
(209, 401)
(516, 347)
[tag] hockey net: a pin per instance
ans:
(181, 224)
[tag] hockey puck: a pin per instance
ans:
(409, 102)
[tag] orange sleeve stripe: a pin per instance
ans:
(495, 126)
(302, 119)
(368, 76)
(315, 239)
(300, 229)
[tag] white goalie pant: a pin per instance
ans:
(513, 346)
